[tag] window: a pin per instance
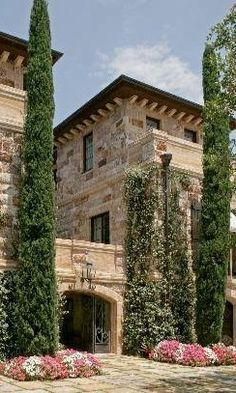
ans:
(88, 152)
(152, 124)
(190, 135)
(100, 232)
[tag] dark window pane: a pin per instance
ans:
(190, 135)
(100, 232)
(152, 124)
(88, 152)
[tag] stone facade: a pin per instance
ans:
(109, 281)
(120, 141)
(12, 108)
(122, 137)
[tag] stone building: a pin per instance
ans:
(13, 67)
(127, 123)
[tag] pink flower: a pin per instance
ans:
(165, 351)
(172, 351)
(194, 355)
(225, 355)
(65, 364)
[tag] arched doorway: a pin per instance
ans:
(87, 324)
(227, 331)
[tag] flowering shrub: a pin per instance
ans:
(66, 364)
(172, 351)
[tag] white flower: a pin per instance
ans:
(69, 360)
(179, 353)
(232, 348)
(211, 355)
(32, 366)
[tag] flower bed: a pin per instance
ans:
(172, 351)
(65, 364)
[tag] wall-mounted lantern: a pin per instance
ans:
(88, 273)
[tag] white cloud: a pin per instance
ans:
(156, 65)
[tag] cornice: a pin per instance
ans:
(11, 92)
(11, 124)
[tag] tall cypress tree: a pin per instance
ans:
(36, 287)
(214, 249)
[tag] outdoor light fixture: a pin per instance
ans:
(88, 274)
(166, 159)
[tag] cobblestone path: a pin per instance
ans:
(122, 374)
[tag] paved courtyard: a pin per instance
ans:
(122, 374)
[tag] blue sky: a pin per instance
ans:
(159, 42)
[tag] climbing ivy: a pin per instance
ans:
(181, 276)
(3, 318)
(157, 304)
(7, 314)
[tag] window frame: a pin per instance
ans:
(194, 134)
(86, 159)
(154, 120)
(105, 228)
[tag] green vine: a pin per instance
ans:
(157, 305)
(182, 288)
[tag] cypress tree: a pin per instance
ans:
(211, 271)
(36, 284)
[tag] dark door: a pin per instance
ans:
(102, 326)
(87, 318)
(227, 331)
(87, 324)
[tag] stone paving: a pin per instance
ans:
(122, 374)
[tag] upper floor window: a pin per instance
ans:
(100, 232)
(88, 152)
(152, 124)
(190, 135)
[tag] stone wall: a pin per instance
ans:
(11, 75)
(12, 108)
(120, 140)
(108, 283)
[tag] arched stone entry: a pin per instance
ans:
(227, 331)
(88, 324)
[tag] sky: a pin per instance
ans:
(155, 41)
